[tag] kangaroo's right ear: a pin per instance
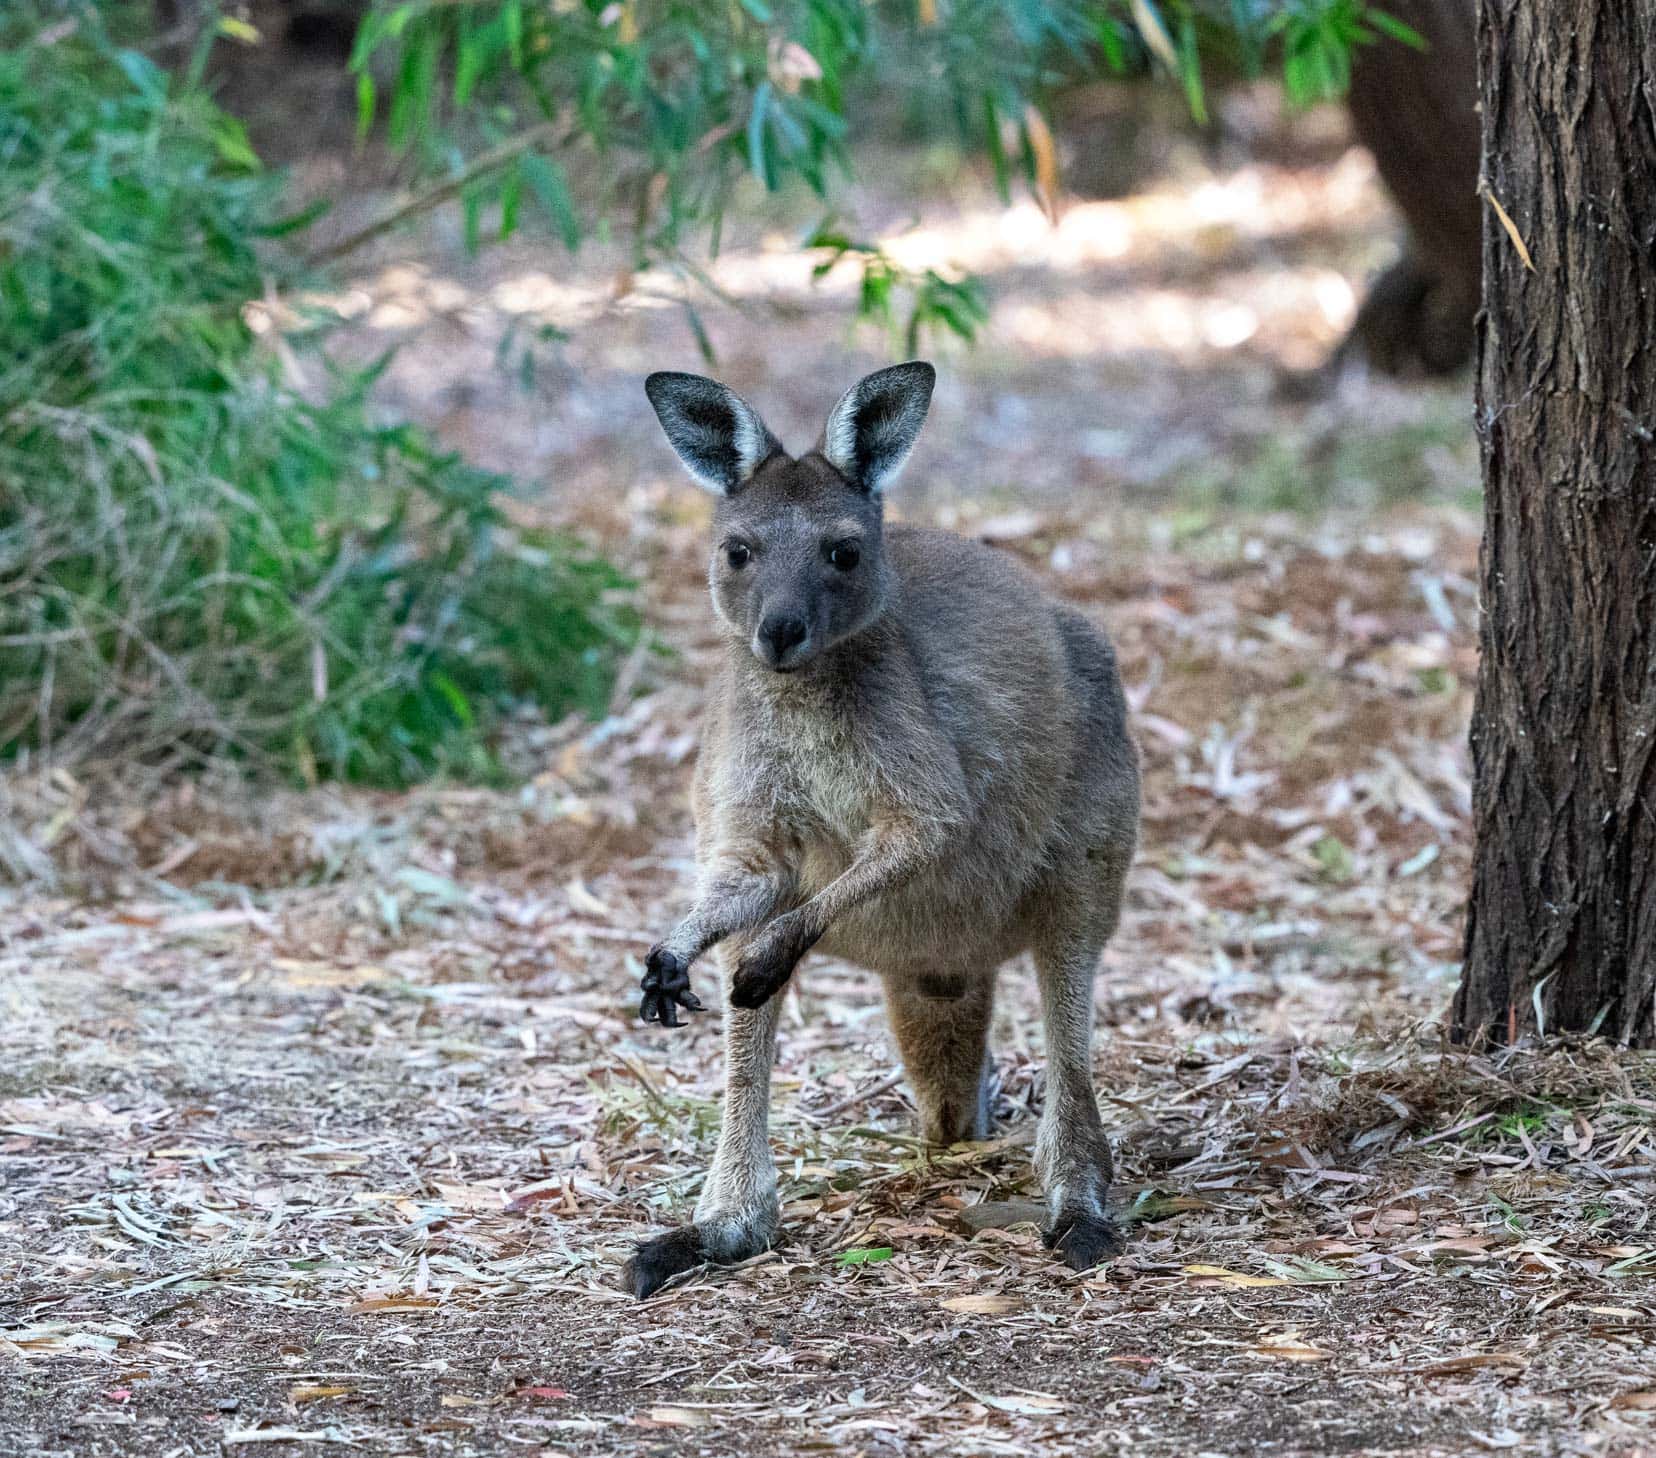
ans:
(717, 434)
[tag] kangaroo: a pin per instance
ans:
(912, 758)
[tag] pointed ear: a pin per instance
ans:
(872, 429)
(717, 434)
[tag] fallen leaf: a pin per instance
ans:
(582, 900)
(1290, 1347)
(296, 973)
(1302, 1271)
(1233, 1278)
(392, 1303)
(1001, 1214)
(864, 1257)
(551, 1190)
(1477, 1245)
(679, 1417)
(1507, 223)
(988, 1303)
(1027, 1404)
(1470, 1362)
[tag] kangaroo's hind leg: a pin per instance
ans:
(737, 1215)
(1072, 1153)
(944, 1041)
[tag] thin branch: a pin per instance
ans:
(863, 1096)
(435, 196)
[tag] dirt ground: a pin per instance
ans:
(325, 1118)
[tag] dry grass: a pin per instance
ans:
(328, 1120)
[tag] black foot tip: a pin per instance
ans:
(657, 1261)
(1083, 1240)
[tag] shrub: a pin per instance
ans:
(196, 558)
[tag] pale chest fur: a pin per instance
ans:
(815, 772)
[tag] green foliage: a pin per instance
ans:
(676, 102)
(958, 306)
(864, 1256)
(197, 555)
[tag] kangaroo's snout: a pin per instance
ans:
(782, 640)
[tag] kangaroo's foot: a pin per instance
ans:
(1078, 1226)
(721, 1239)
(1081, 1236)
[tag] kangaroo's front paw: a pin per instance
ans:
(666, 985)
(1082, 1237)
(768, 961)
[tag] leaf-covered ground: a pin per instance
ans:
(324, 1118)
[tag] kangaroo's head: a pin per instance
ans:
(797, 563)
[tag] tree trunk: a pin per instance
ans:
(1417, 112)
(1563, 910)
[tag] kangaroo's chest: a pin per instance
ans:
(825, 779)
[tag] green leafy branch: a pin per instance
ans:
(665, 108)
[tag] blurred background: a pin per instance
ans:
(326, 455)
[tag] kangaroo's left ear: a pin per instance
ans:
(873, 428)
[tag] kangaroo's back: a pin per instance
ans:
(1029, 686)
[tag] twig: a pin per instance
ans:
(885, 1085)
(633, 1067)
(435, 196)
(1450, 1133)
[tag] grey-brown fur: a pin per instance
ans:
(925, 769)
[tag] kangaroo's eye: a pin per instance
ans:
(845, 556)
(738, 555)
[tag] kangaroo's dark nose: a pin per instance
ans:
(779, 635)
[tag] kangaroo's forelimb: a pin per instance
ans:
(887, 855)
(736, 897)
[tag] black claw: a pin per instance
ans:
(666, 984)
(1083, 1239)
(657, 1261)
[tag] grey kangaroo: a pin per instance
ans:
(913, 759)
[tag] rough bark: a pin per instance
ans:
(1563, 905)
(1417, 112)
